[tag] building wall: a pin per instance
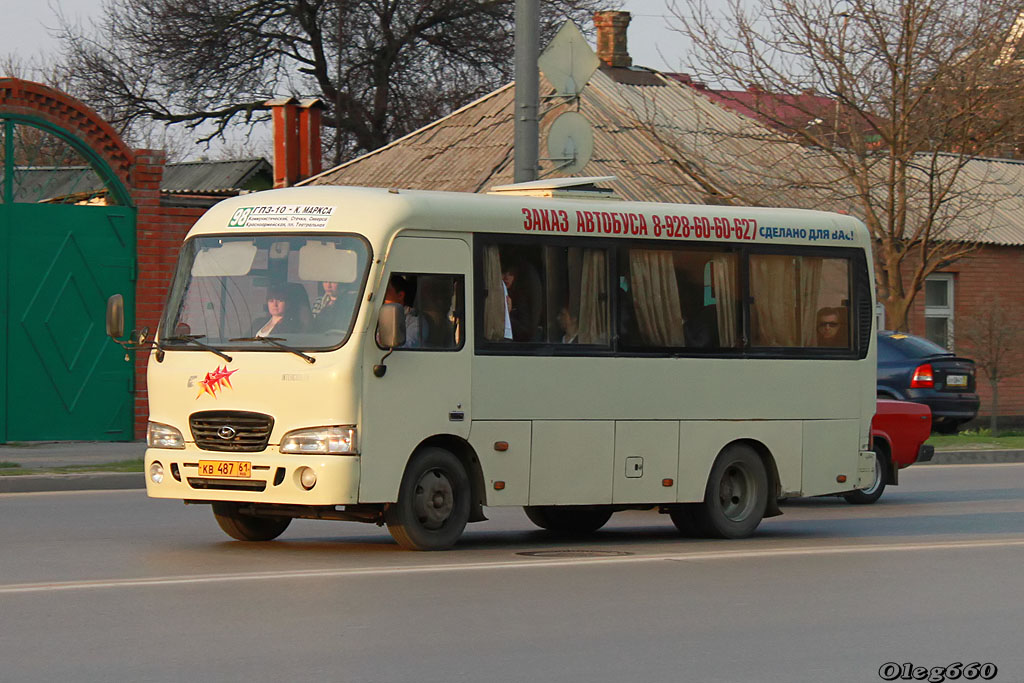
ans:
(977, 280)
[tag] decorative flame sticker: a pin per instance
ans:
(216, 381)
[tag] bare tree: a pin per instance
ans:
(993, 335)
(382, 67)
(893, 99)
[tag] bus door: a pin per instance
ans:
(425, 389)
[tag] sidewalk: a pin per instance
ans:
(42, 455)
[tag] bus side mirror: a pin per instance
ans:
(115, 316)
(390, 333)
(391, 326)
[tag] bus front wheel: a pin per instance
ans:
(574, 520)
(433, 502)
(736, 495)
(246, 527)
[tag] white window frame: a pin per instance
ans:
(944, 312)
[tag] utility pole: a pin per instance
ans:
(527, 104)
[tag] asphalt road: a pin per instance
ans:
(111, 586)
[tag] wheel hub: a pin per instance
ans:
(434, 499)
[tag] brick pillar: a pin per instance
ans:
(151, 285)
(611, 38)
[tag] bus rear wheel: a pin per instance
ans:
(735, 496)
(246, 527)
(573, 520)
(433, 502)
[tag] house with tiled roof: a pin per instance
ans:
(665, 140)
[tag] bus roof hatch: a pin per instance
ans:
(561, 188)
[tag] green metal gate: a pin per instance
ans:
(60, 377)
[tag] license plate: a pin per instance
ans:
(956, 380)
(225, 468)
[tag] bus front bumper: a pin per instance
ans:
(264, 477)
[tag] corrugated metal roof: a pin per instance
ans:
(216, 177)
(37, 184)
(667, 143)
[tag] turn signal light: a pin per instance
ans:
(667, 482)
(499, 486)
(501, 446)
(923, 377)
(841, 478)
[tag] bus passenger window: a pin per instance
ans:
(678, 299)
(796, 297)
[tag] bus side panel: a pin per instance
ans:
(701, 442)
(511, 467)
(830, 450)
(571, 462)
(646, 456)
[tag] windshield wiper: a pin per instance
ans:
(276, 341)
(194, 339)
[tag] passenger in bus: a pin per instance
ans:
(833, 329)
(399, 291)
(288, 309)
(525, 301)
(434, 295)
(334, 307)
(569, 324)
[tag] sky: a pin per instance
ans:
(27, 27)
(23, 31)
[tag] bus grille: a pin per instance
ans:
(231, 430)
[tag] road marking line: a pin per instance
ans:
(525, 563)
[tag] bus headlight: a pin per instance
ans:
(320, 440)
(163, 436)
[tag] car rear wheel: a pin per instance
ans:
(946, 426)
(873, 492)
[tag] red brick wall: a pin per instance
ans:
(977, 278)
(159, 232)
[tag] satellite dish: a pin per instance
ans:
(570, 142)
(568, 62)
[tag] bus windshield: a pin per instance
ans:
(300, 290)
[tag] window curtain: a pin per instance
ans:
(656, 297)
(810, 288)
(724, 279)
(773, 285)
(593, 316)
(494, 302)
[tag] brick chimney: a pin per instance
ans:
(286, 141)
(611, 38)
(296, 139)
(310, 111)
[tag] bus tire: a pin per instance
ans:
(570, 520)
(873, 492)
(684, 516)
(246, 527)
(433, 502)
(735, 496)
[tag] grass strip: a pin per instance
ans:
(117, 466)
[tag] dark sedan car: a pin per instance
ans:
(914, 369)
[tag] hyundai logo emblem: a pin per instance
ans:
(227, 432)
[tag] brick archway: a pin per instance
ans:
(64, 112)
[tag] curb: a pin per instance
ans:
(974, 457)
(91, 481)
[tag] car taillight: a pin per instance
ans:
(923, 377)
